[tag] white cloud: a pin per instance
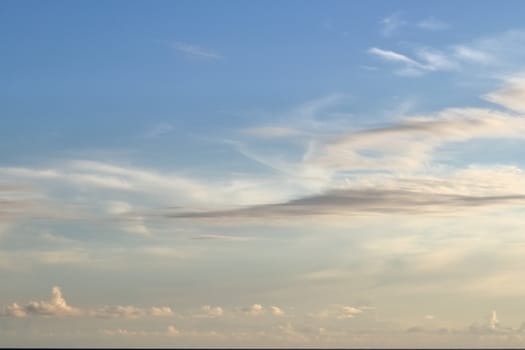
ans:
(471, 55)
(57, 306)
(429, 60)
(511, 95)
(394, 57)
(196, 51)
(128, 221)
(410, 143)
(492, 56)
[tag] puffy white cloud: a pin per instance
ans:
(56, 306)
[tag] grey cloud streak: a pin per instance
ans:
(358, 201)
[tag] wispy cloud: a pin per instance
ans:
(511, 95)
(498, 52)
(392, 23)
(195, 51)
(433, 24)
(428, 61)
(159, 130)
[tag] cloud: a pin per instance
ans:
(391, 24)
(511, 95)
(159, 130)
(410, 143)
(210, 312)
(57, 306)
(254, 310)
(195, 51)
(276, 311)
(430, 60)
(110, 180)
(271, 132)
(394, 57)
(471, 55)
(491, 326)
(433, 24)
(130, 312)
(222, 237)
(173, 331)
(340, 312)
(128, 221)
(491, 56)
(464, 190)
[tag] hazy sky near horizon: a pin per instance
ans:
(262, 173)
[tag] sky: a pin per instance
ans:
(262, 173)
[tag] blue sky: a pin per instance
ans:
(196, 173)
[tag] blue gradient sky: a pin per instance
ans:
(299, 173)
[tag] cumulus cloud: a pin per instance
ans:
(254, 310)
(276, 311)
(173, 331)
(56, 306)
(210, 312)
(130, 312)
(340, 312)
